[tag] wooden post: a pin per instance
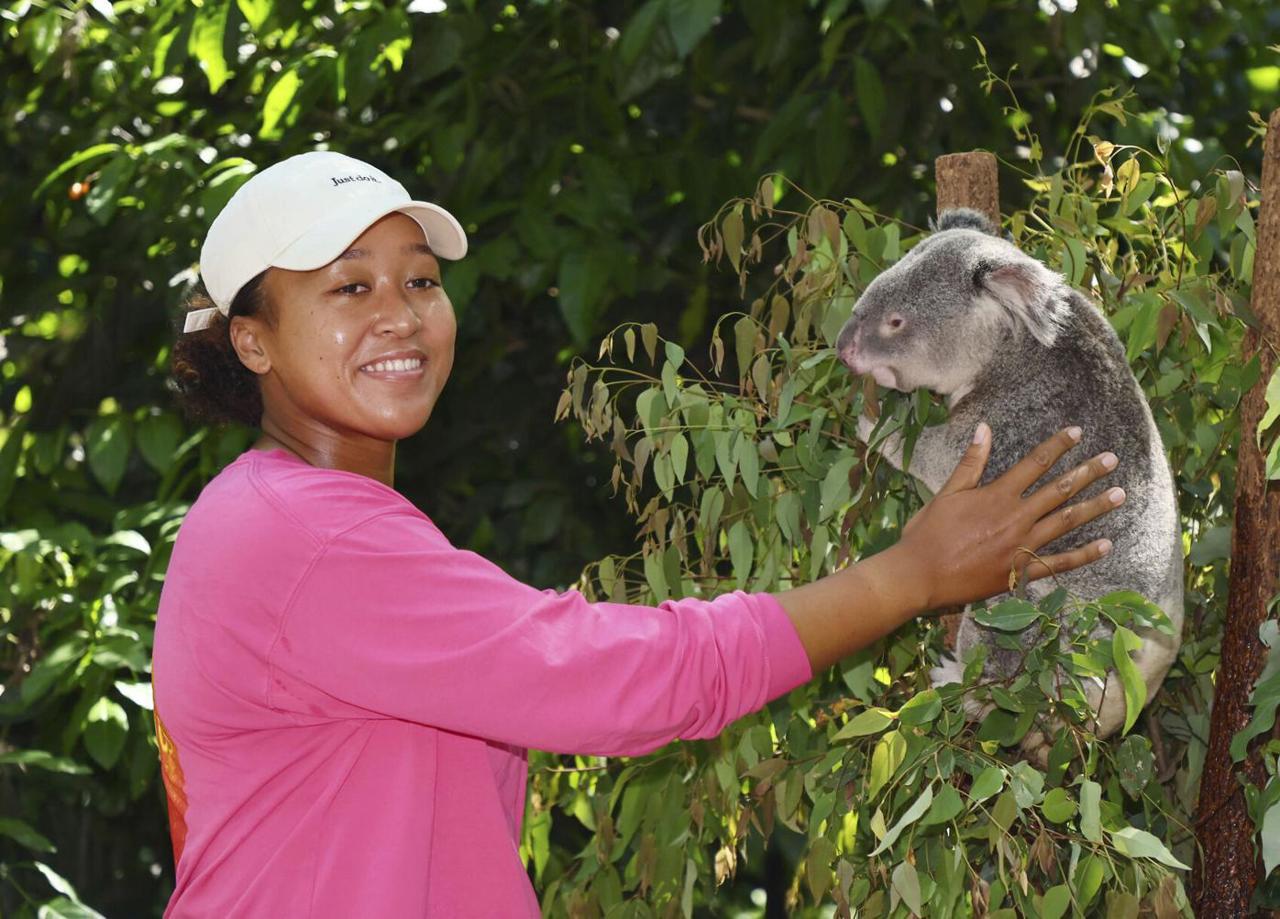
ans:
(969, 180)
(1227, 868)
(966, 180)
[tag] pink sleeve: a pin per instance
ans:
(392, 621)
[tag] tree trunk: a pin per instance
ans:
(966, 180)
(969, 180)
(1227, 868)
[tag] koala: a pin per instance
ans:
(1007, 341)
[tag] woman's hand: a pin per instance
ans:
(965, 544)
(977, 539)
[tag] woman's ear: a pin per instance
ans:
(249, 341)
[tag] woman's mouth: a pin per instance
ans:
(407, 368)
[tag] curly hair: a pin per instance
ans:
(206, 375)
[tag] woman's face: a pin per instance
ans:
(361, 347)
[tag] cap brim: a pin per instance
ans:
(328, 239)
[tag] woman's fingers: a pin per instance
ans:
(1031, 467)
(968, 472)
(1068, 518)
(1042, 566)
(1069, 484)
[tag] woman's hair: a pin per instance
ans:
(211, 383)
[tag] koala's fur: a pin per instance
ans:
(1009, 342)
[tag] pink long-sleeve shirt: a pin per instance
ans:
(343, 699)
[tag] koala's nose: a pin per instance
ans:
(892, 325)
(847, 345)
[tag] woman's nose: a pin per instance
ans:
(398, 314)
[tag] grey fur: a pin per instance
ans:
(1009, 342)
(965, 218)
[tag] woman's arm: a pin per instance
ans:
(962, 546)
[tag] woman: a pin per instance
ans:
(343, 699)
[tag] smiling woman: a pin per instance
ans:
(344, 699)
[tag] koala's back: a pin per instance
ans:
(1031, 391)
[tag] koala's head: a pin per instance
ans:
(937, 317)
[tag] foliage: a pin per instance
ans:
(757, 482)
(581, 142)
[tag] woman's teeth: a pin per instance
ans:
(384, 366)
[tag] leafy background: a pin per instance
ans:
(583, 144)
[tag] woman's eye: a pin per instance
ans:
(427, 282)
(349, 288)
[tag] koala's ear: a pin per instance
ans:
(965, 218)
(1027, 292)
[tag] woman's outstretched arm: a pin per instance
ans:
(961, 546)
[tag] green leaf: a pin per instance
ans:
(871, 721)
(818, 866)
(43, 760)
(255, 12)
(946, 806)
(10, 453)
(1141, 611)
(115, 178)
(835, 486)
(1273, 405)
(679, 456)
(158, 438)
(279, 99)
(583, 281)
(1011, 615)
(649, 336)
(1027, 784)
(910, 816)
(748, 457)
(988, 782)
(107, 444)
(56, 881)
(1090, 810)
(1135, 688)
(24, 835)
(66, 908)
(129, 539)
(664, 475)
(885, 760)
(656, 577)
(71, 162)
(105, 730)
(1212, 545)
(741, 552)
(1058, 805)
(206, 42)
(1135, 764)
(689, 21)
(921, 708)
(732, 231)
(1270, 832)
(1056, 902)
(49, 668)
(1088, 878)
(871, 98)
(744, 339)
(907, 883)
(1138, 843)
(140, 694)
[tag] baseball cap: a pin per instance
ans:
(302, 213)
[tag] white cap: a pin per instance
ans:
(302, 213)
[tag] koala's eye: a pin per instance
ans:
(894, 323)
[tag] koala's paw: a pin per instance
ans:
(949, 670)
